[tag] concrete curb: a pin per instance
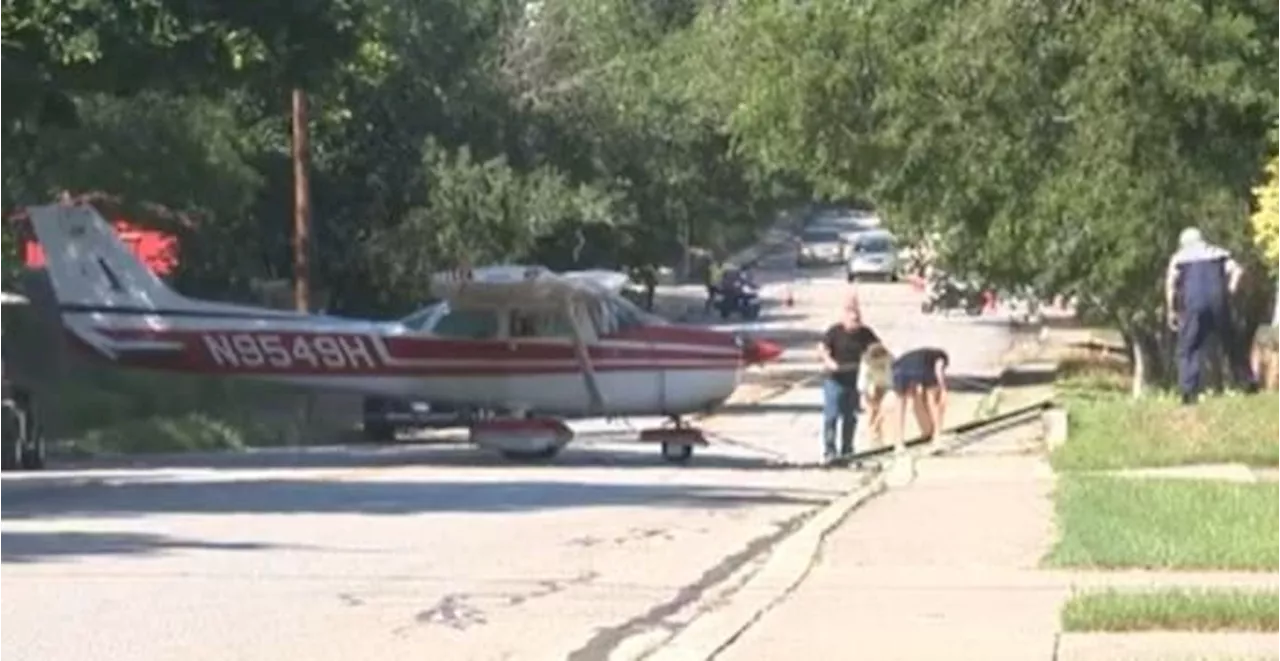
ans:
(785, 569)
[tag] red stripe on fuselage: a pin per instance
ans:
(309, 353)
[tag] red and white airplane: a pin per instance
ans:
(561, 345)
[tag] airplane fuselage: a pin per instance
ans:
(641, 370)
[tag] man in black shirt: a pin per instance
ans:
(841, 352)
(919, 378)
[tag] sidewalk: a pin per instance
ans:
(946, 568)
(941, 569)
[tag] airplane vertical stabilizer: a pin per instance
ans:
(88, 265)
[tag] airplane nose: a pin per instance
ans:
(757, 352)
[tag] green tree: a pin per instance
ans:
(1058, 146)
(56, 49)
(478, 212)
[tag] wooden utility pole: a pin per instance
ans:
(301, 205)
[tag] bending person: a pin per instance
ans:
(919, 378)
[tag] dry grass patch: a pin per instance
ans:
(1087, 370)
(1118, 432)
(1172, 609)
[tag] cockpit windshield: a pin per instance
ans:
(465, 324)
(614, 314)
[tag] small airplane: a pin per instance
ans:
(555, 345)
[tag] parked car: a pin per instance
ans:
(385, 417)
(874, 254)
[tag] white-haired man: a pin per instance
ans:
(1199, 283)
(841, 352)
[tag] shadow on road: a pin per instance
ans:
(446, 453)
(20, 547)
(378, 497)
(771, 407)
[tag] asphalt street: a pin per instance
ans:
(439, 551)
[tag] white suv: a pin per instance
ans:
(874, 254)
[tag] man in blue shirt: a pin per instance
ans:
(1199, 283)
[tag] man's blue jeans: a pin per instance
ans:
(839, 407)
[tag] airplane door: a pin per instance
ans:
(639, 380)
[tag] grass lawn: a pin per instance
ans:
(1173, 609)
(1111, 433)
(1110, 430)
(1114, 522)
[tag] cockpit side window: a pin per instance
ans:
(468, 324)
(615, 315)
(627, 314)
(525, 323)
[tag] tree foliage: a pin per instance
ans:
(56, 49)
(1266, 217)
(441, 132)
(1061, 145)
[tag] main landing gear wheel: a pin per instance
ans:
(522, 439)
(23, 440)
(530, 456)
(379, 433)
(677, 453)
(34, 450)
(12, 440)
(33, 455)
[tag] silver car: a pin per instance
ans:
(874, 254)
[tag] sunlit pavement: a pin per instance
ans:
(430, 551)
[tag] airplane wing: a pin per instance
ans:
(610, 280)
(524, 287)
(530, 288)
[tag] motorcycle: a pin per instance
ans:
(944, 293)
(743, 298)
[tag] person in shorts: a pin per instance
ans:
(875, 380)
(919, 379)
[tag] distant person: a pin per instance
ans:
(1199, 283)
(715, 273)
(841, 353)
(920, 381)
(647, 276)
(875, 380)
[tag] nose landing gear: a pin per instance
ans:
(677, 439)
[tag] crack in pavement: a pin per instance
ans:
(463, 610)
(632, 535)
(608, 639)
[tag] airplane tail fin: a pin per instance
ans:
(90, 267)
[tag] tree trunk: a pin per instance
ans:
(1151, 358)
